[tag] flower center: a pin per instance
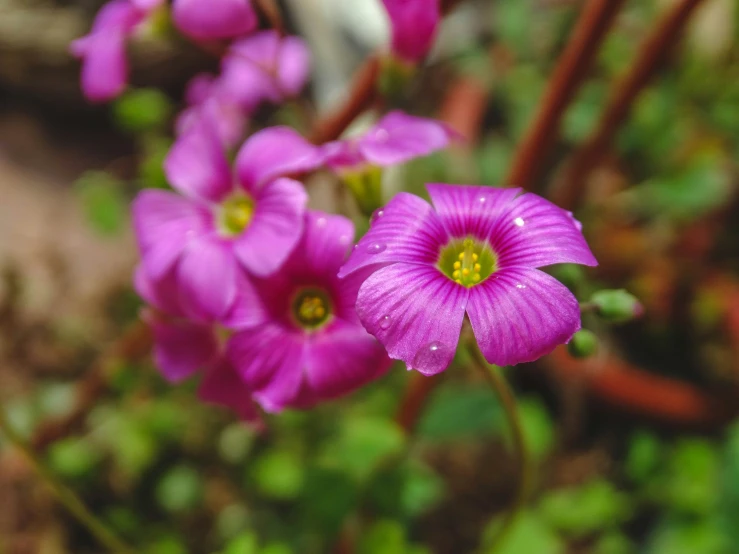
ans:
(467, 262)
(311, 308)
(235, 215)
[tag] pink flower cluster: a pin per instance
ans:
(272, 301)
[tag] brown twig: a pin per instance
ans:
(271, 12)
(652, 53)
(591, 28)
(362, 93)
(414, 399)
(134, 344)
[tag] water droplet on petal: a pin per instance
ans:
(431, 355)
(321, 222)
(381, 135)
(377, 214)
(519, 221)
(385, 322)
(520, 286)
(375, 248)
(482, 199)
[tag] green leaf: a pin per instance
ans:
(387, 537)
(363, 443)
(529, 535)
(537, 427)
(614, 543)
(245, 543)
(180, 489)
(141, 110)
(691, 479)
(460, 412)
(73, 457)
(683, 537)
(104, 204)
(278, 474)
(329, 495)
(590, 508)
(644, 456)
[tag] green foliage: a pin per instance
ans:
(103, 201)
(529, 534)
(142, 110)
(387, 537)
(181, 489)
(644, 457)
(593, 507)
(460, 412)
(277, 474)
(73, 457)
(538, 427)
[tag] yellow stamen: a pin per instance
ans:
(465, 272)
(457, 265)
(477, 267)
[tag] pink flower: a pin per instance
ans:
(103, 50)
(413, 25)
(223, 223)
(261, 68)
(183, 347)
(214, 19)
(476, 251)
(395, 139)
(311, 346)
(265, 67)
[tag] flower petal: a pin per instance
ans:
(275, 228)
(399, 137)
(413, 26)
(272, 153)
(248, 309)
(468, 210)
(340, 359)
(181, 347)
(325, 243)
(197, 165)
(406, 230)
(214, 19)
(519, 315)
(270, 362)
(104, 67)
(222, 386)
(207, 278)
(165, 223)
(533, 232)
(159, 293)
(415, 312)
(293, 65)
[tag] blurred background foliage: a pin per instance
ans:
(635, 448)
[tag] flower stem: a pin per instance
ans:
(64, 494)
(502, 390)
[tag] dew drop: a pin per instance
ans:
(321, 222)
(519, 221)
(482, 199)
(385, 322)
(520, 286)
(377, 214)
(375, 248)
(381, 135)
(431, 355)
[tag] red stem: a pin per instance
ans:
(652, 53)
(591, 28)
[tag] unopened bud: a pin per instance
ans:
(616, 306)
(584, 343)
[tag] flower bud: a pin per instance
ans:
(583, 344)
(617, 306)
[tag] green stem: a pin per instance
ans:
(502, 390)
(65, 495)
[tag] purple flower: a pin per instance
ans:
(265, 67)
(413, 25)
(312, 346)
(223, 223)
(103, 50)
(395, 139)
(209, 102)
(214, 19)
(182, 346)
(475, 251)
(261, 68)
